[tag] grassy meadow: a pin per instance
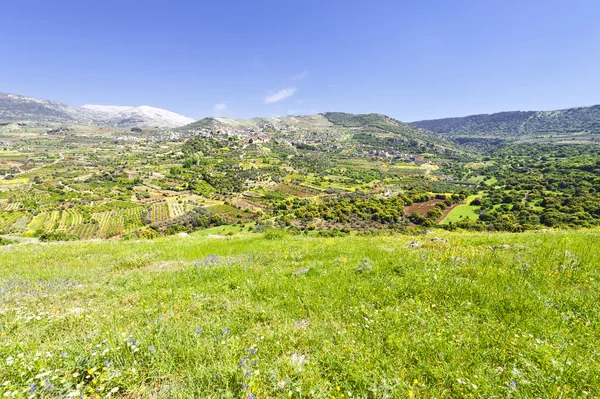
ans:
(443, 315)
(461, 213)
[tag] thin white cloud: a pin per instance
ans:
(300, 76)
(220, 109)
(258, 65)
(280, 95)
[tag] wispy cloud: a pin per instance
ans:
(258, 64)
(220, 109)
(300, 76)
(280, 95)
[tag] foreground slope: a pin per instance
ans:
(581, 120)
(457, 315)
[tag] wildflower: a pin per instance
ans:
(513, 384)
(199, 330)
(152, 348)
(224, 333)
(299, 360)
(32, 388)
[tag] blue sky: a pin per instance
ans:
(408, 59)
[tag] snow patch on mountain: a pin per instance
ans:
(141, 116)
(16, 107)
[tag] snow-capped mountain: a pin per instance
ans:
(16, 107)
(139, 116)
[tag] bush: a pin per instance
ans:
(58, 236)
(6, 241)
(274, 234)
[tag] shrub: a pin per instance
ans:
(5, 241)
(57, 236)
(274, 234)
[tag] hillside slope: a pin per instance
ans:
(19, 108)
(461, 315)
(16, 107)
(374, 129)
(379, 122)
(143, 116)
(584, 120)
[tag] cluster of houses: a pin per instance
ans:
(395, 155)
(265, 133)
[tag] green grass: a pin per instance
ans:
(227, 229)
(460, 213)
(224, 318)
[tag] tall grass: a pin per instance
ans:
(481, 315)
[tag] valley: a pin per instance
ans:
(326, 174)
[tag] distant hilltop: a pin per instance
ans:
(585, 120)
(16, 107)
(505, 125)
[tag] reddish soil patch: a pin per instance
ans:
(421, 207)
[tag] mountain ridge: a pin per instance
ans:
(507, 124)
(20, 108)
(375, 129)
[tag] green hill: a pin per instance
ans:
(382, 123)
(581, 120)
(451, 315)
(371, 129)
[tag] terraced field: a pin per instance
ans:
(85, 231)
(158, 212)
(176, 208)
(13, 206)
(8, 219)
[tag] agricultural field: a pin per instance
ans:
(345, 176)
(461, 213)
(441, 315)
